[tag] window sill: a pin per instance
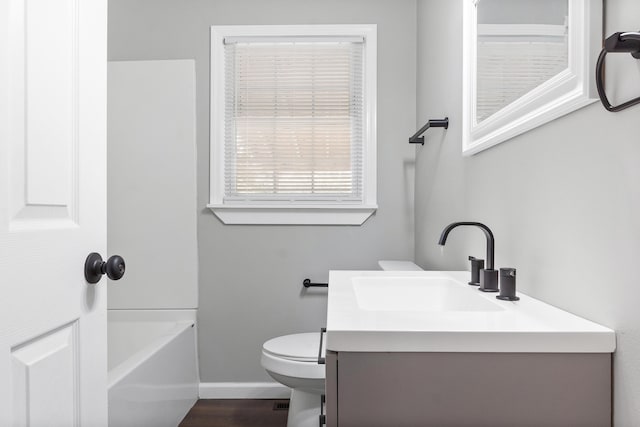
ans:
(293, 215)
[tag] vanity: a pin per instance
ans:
(423, 348)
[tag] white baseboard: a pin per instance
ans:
(267, 390)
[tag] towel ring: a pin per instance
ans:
(617, 42)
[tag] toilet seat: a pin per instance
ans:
(295, 347)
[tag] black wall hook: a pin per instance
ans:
(434, 123)
(625, 42)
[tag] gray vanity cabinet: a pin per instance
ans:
(398, 389)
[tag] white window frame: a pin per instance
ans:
(299, 212)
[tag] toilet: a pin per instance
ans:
(292, 360)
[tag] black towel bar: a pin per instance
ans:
(307, 284)
(434, 123)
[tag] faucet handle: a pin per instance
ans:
(476, 266)
(508, 284)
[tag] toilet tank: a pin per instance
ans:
(388, 265)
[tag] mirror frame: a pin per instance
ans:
(567, 91)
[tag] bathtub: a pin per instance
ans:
(153, 373)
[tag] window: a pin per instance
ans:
(293, 124)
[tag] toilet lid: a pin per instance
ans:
(298, 347)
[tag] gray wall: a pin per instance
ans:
(250, 276)
(563, 200)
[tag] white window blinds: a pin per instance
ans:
(293, 120)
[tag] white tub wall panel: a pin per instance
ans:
(152, 183)
(159, 391)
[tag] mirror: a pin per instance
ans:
(526, 62)
(520, 45)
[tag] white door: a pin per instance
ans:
(52, 212)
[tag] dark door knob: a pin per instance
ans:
(95, 267)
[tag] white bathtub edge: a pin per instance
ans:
(177, 315)
(266, 390)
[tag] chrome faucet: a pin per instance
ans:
(488, 276)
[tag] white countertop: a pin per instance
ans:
(525, 326)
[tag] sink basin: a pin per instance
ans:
(423, 294)
(436, 311)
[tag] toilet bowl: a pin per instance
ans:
(292, 360)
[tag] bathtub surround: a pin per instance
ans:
(250, 277)
(153, 375)
(151, 184)
(557, 198)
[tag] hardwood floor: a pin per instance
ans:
(236, 413)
